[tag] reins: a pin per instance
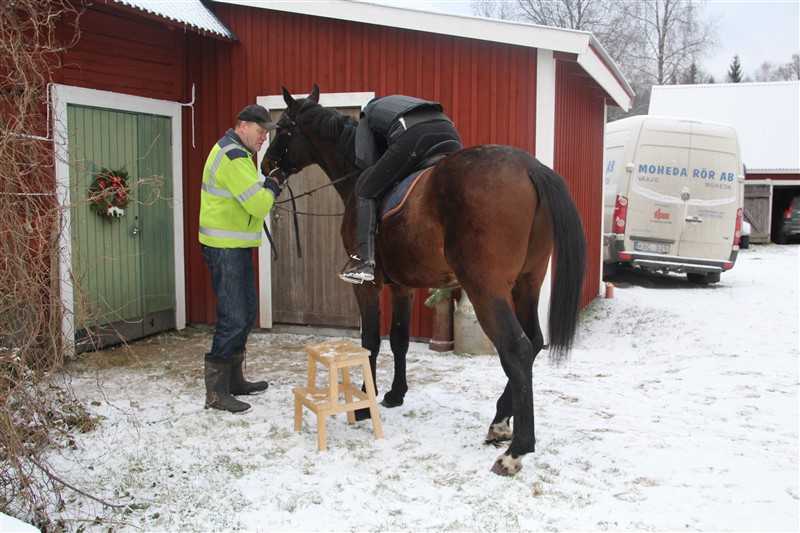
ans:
(295, 212)
(312, 191)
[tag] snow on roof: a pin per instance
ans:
(191, 13)
(590, 54)
(766, 116)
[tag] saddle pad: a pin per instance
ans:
(393, 203)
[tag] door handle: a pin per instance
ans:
(136, 229)
(694, 220)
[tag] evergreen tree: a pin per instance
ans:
(735, 70)
(694, 74)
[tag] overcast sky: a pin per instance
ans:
(757, 30)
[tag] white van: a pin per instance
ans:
(673, 196)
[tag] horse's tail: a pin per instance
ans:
(570, 258)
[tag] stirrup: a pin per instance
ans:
(354, 276)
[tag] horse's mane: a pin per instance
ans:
(332, 125)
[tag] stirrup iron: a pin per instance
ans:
(353, 280)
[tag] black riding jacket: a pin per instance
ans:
(383, 119)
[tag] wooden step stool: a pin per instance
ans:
(337, 356)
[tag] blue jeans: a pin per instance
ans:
(234, 282)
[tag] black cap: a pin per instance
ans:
(259, 115)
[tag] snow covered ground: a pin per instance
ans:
(678, 411)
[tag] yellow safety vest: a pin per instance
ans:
(233, 200)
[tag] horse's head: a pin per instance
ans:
(289, 148)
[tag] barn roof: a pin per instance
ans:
(192, 14)
(590, 54)
(766, 116)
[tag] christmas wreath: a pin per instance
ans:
(108, 192)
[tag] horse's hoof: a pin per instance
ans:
(499, 432)
(362, 414)
(388, 402)
(497, 438)
(507, 465)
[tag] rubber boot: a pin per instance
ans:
(364, 269)
(218, 377)
(238, 384)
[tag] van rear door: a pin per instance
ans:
(711, 194)
(655, 209)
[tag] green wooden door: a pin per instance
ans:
(157, 238)
(123, 268)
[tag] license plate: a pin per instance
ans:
(652, 247)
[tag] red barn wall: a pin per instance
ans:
(579, 138)
(122, 53)
(487, 88)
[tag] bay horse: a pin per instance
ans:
(487, 219)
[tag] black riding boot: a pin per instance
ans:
(218, 377)
(239, 385)
(364, 269)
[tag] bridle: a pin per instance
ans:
(281, 160)
(286, 126)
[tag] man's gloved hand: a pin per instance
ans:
(275, 180)
(279, 175)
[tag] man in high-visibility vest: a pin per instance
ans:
(233, 204)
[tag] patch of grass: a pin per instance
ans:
(110, 358)
(646, 481)
(230, 466)
(585, 464)
(289, 504)
(69, 413)
(452, 480)
(309, 469)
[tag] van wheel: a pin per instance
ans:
(702, 279)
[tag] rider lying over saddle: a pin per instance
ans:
(396, 135)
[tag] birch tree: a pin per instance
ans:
(653, 42)
(674, 35)
(608, 21)
(785, 72)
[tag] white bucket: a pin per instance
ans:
(468, 336)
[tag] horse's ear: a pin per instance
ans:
(314, 96)
(287, 97)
